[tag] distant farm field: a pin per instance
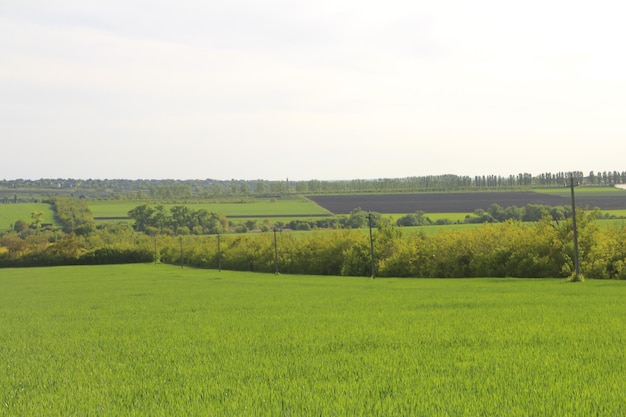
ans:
(462, 202)
(617, 213)
(451, 217)
(10, 213)
(161, 340)
(254, 207)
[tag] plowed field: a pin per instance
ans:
(457, 202)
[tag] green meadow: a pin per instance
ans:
(451, 217)
(10, 213)
(252, 207)
(150, 340)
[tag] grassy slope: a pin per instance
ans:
(146, 340)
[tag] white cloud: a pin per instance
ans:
(337, 89)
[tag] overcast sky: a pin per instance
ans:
(325, 89)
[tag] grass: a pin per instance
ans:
(439, 228)
(257, 207)
(10, 213)
(617, 213)
(452, 217)
(160, 340)
(618, 223)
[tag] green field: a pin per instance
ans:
(452, 217)
(257, 207)
(10, 213)
(159, 341)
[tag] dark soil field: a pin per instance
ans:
(457, 202)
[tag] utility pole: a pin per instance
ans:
(369, 218)
(576, 263)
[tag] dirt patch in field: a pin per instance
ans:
(455, 202)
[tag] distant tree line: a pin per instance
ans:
(529, 213)
(174, 190)
(180, 220)
(73, 215)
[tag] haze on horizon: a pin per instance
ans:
(310, 90)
